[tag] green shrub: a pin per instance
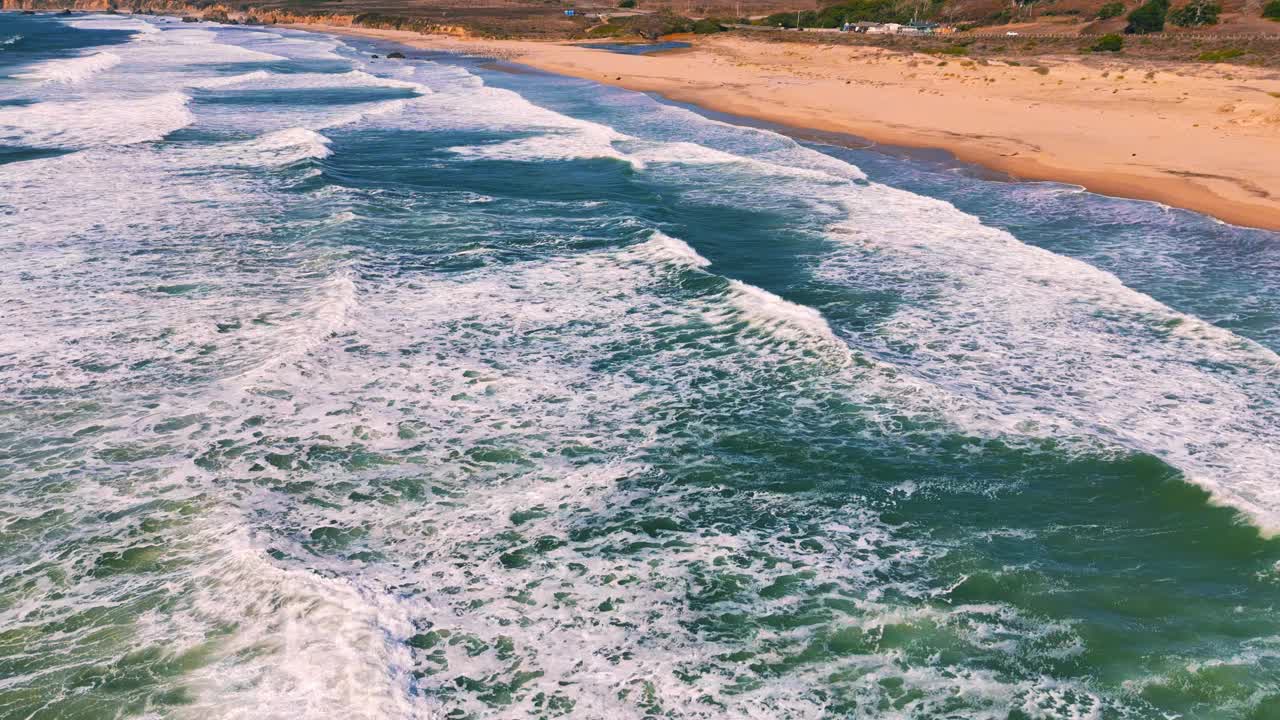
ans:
(1113, 9)
(1217, 56)
(864, 10)
(837, 15)
(706, 26)
(1149, 18)
(1271, 10)
(1196, 13)
(783, 19)
(627, 3)
(807, 18)
(607, 30)
(1108, 43)
(664, 23)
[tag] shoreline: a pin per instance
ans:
(1197, 137)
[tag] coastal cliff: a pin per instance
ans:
(157, 6)
(244, 14)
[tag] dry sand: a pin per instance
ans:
(1202, 137)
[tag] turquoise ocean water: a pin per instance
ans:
(333, 387)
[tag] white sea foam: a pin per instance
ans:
(503, 370)
(191, 48)
(283, 147)
(367, 453)
(1059, 348)
(71, 70)
(664, 248)
(976, 402)
(769, 316)
(339, 648)
(111, 22)
(482, 352)
(1053, 300)
(310, 81)
(354, 78)
(759, 144)
(587, 142)
(779, 317)
(84, 123)
(568, 138)
(281, 117)
(230, 80)
(361, 113)
(306, 46)
(688, 153)
(328, 312)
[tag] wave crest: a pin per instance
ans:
(87, 123)
(71, 71)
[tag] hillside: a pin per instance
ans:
(547, 18)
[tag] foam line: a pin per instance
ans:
(84, 123)
(1063, 349)
(71, 70)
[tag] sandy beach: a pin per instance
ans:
(1203, 137)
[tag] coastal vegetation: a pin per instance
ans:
(1059, 26)
(837, 15)
(706, 26)
(1110, 10)
(1196, 13)
(654, 25)
(1110, 42)
(1217, 56)
(1149, 18)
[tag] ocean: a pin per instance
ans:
(343, 387)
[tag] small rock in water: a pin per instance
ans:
(375, 57)
(395, 55)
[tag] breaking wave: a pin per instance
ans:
(397, 434)
(85, 123)
(73, 70)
